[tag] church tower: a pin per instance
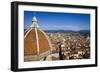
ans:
(36, 43)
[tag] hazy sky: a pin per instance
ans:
(58, 21)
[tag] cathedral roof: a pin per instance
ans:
(36, 41)
(30, 42)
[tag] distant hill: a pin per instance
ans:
(64, 31)
(55, 31)
(82, 32)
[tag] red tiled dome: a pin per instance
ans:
(36, 44)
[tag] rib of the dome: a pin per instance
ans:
(44, 44)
